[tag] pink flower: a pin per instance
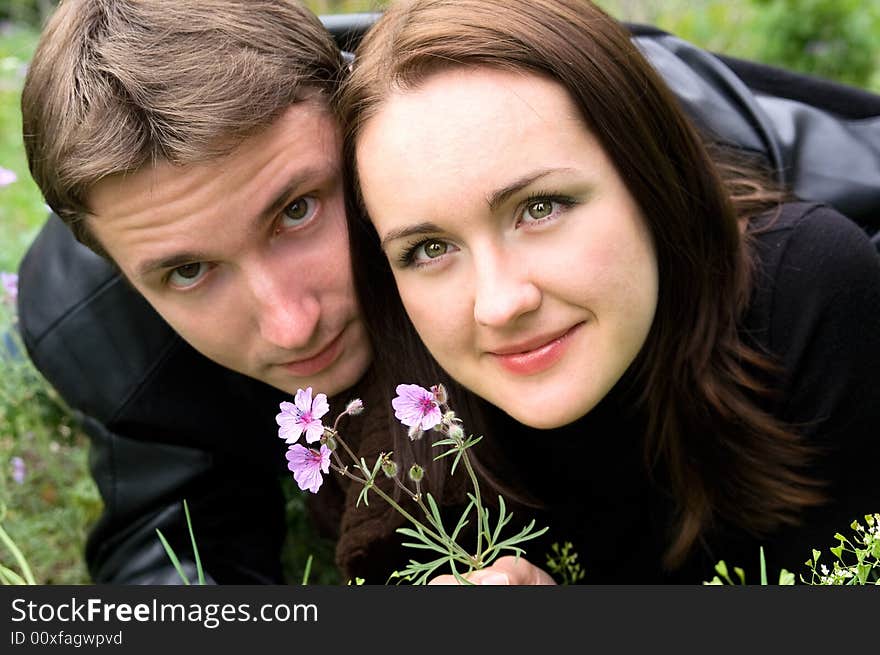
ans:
(9, 282)
(416, 407)
(307, 465)
(7, 177)
(302, 415)
(19, 470)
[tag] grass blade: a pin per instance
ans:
(307, 571)
(192, 539)
(19, 558)
(172, 556)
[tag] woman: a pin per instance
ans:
(674, 367)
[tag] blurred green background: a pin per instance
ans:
(47, 499)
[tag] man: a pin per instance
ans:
(191, 143)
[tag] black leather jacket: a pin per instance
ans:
(142, 392)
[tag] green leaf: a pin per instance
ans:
(786, 577)
(438, 520)
(503, 519)
(763, 567)
(471, 442)
(192, 539)
(455, 462)
(26, 573)
(816, 555)
(721, 569)
(714, 581)
(463, 521)
(421, 573)
(837, 551)
(740, 574)
(363, 496)
(10, 577)
(307, 571)
(862, 571)
(172, 556)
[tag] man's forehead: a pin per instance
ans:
(307, 128)
(142, 216)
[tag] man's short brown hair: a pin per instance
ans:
(118, 84)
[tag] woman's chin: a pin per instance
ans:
(544, 417)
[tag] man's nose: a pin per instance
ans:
(503, 290)
(287, 312)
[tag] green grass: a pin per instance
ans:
(48, 514)
(750, 29)
(22, 211)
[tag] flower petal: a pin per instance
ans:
(432, 418)
(409, 402)
(320, 406)
(306, 465)
(314, 431)
(303, 400)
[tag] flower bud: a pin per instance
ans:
(389, 468)
(330, 442)
(449, 418)
(354, 407)
(456, 432)
(415, 432)
(439, 392)
(416, 473)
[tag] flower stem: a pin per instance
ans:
(478, 503)
(438, 538)
(409, 517)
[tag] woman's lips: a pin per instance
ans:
(317, 363)
(539, 358)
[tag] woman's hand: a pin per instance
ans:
(505, 571)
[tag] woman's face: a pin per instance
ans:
(520, 256)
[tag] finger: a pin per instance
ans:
(486, 576)
(443, 580)
(520, 571)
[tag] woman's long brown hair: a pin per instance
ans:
(709, 438)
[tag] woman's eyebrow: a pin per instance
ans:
(494, 200)
(497, 198)
(410, 230)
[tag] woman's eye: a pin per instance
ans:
(431, 249)
(187, 275)
(537, 210)
(299, 211)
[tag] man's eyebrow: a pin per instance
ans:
(171, 261)
(270, 211)
(498, 197)
(410, 230)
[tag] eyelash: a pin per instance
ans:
(565, 203)
(406, 258)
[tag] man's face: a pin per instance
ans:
(246, 256)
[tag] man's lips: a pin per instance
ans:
(318, 362)
(535, 354)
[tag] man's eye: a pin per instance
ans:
(187, 275)
(298, 212)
